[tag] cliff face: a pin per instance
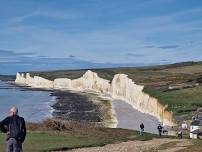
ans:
(121, 88)
(40, 82)
(62, 83)
(35, 82)
(91, 81)
(20, 79)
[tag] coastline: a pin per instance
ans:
(90, 107)
(115, 118)
(122, 114)
(121, 87)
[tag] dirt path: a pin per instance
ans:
(155, 145)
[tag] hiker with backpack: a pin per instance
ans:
(14, 127)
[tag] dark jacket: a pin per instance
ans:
(15, 127)
(159, 127)
(142, 126)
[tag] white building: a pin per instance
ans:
(196, 129)
(184, 125)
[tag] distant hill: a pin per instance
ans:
(147, 75)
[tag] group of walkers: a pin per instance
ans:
(159, 128)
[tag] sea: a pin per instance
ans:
(34, 106)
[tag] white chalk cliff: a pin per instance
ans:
(121, 88)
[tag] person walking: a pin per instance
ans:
(160, 129)
(15, 128)
(141, 129)
(179, 134)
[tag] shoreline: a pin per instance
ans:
(118, 118)
(121, 87)
(112, 116)
(83, 107)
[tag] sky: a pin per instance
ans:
(63, 34)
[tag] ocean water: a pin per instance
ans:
(34, 106)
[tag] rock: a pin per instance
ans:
(20, 79)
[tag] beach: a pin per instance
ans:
(130, 118)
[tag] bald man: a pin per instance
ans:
(15, 128)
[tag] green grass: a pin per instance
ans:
(137, 74)
(186, 69)
(179, 101)
(39, 142)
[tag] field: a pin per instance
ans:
(54, 135)
(179, 101)
(45, 141)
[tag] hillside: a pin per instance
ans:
(53, 135)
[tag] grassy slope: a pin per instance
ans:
(44, 142)
(183, 100)
(156, 80)
(48, 142)
(179, 101)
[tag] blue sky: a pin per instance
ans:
(100, 31)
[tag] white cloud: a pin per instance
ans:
(22, 18)
(63, 15)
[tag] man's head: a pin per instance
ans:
(13, 111)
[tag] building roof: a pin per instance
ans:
(195, 131)
(196, 123)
